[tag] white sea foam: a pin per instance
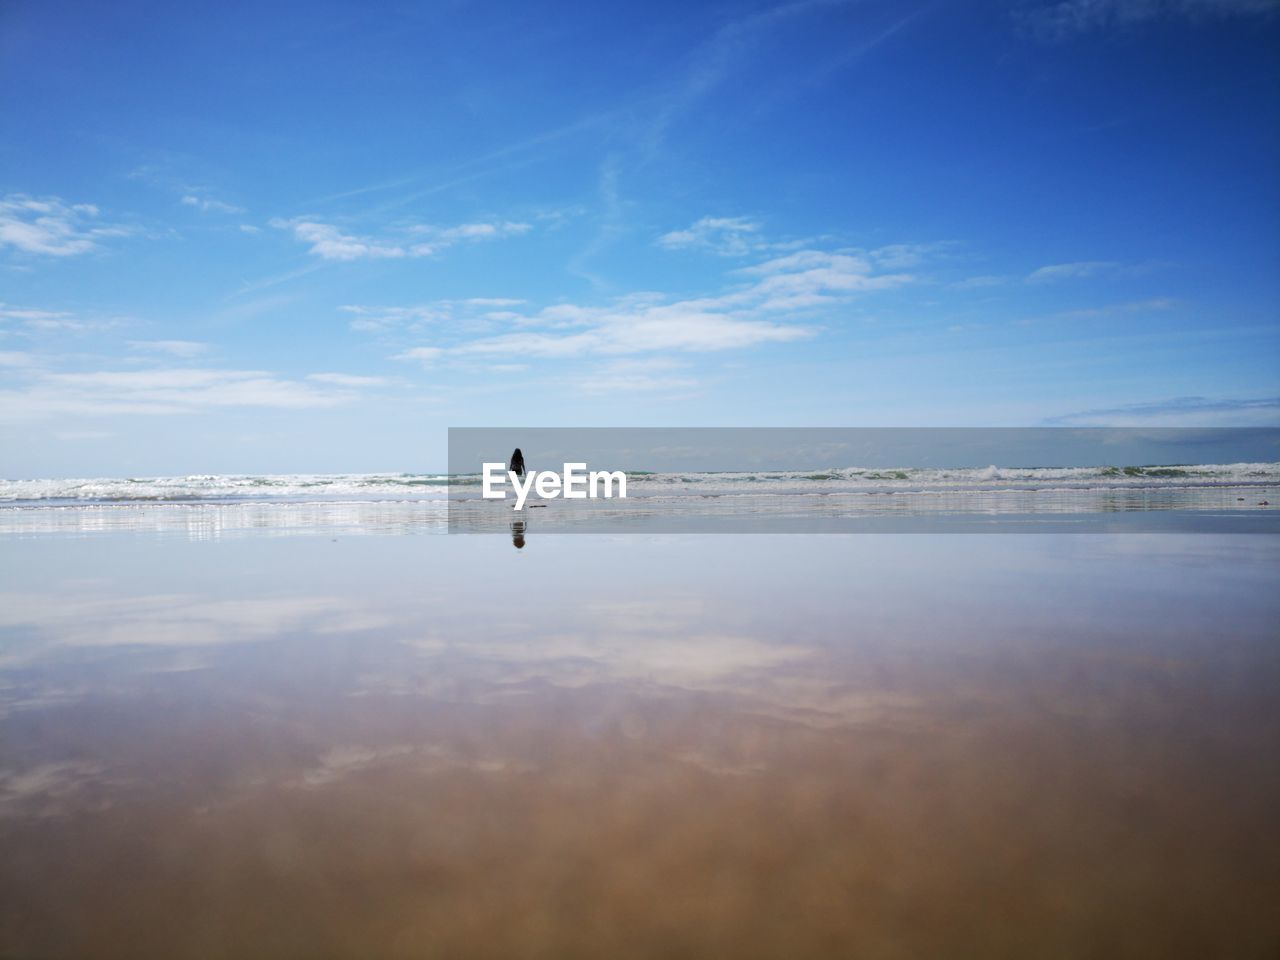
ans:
(210, 488)
(437, 486)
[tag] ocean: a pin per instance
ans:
(1234, 497)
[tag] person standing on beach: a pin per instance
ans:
(517, 463)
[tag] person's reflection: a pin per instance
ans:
(517, 533)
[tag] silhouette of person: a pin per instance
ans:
(517, 463)
(517, 534)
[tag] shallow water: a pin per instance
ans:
(873, 746)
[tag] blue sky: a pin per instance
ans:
(245, 237)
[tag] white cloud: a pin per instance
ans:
(50, 226)
(770, 306)
(902, 256)
(1067, 18)
(655, 375)
(40, 319)
(726, 236)
(420, 240)
(810, 259)
(349, 380)
(730, 237)
(329, 243)
(810, 278)
(1078, 270)
(378, 319)
(493, 302)
(421, 354)
(209, 205)
(15, 358)
(473, 312)
(174, 348)
(475, 231)
(634, 328)
(162, 391)
(677, 326)
(1151, 305)
(44, 321)
(26, 315)
(1181, 412)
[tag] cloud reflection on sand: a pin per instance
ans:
(173, 620)
(865, 745)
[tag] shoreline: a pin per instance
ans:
(1169, 510)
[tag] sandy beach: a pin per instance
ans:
(398, 745)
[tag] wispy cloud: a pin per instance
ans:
(633, 324)
(1067, 18)
(1180, 412)
(732, 237)
(776, 301)
(493, 302)
(49, 226)
(174, 348)
(169, 172)
(39, 319)
(163, 391)
(1078, 270)
(264, 283)
(328, 242)
(645, 125)
(434, 239)
(30, 321)
(853, 53)
(476, 313)
(643, 117)
(812, 278)
(725, 236)
(1150, 305)
(714, 60)
(903, 256)
(743, 236)
(683, 326)
(208, 204)
(370, 319)
(501, 159)
(1106, 311)
(424, 355)
(653, 375)
(350, 380)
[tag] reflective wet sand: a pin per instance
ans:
(774, 746)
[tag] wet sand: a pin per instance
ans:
(409, 746)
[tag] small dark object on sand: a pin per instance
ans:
(1264, 503)
(1239, 498)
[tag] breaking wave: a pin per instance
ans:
(440, 486)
